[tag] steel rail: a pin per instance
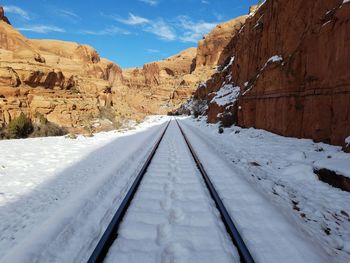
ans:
(237, 240)
(111, 233)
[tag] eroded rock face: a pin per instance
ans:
(162, 86)
(65, 82)
(212, 50)
(291, 61)
(307, 93)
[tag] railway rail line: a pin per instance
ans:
(110, 235)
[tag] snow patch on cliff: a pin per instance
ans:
(230, 63)
(274, 59)
(347, 140)
(226, 94)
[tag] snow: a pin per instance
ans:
(241, 29)
(269, 187)
(172, 215)
(58, 195)
(274, 59)
(258, 22)
(226, 94)
(339, 166)
(347, 140)
(302, 172)
(56, 192)
(230, 63)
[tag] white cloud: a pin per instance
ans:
(43, 29)
(69, 14)
(161, 29)
(17, 11)
(133, 20)
(205, 2)
(152, 51)
(194, 31)
(218, 16)
(110, 31)
(150, 2)
(158, 27)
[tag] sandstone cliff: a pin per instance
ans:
(212, 48)
(164, 85)
(291, 63)
(65, 82)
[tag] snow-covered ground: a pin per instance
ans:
(281, 170)
(58, 194)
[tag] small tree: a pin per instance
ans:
(19, 127)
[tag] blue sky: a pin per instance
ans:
(130, 32)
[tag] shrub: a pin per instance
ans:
(48, 129)
(117, 124)
(71, 136)
(2, 133)
(19, 127)
(44, 128)
(107, 113)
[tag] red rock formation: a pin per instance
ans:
(162, 86)
(292, 64)
(211, 49)
(63, 81)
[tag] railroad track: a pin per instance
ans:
(111, 233)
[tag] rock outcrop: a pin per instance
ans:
(291, 62)
(162, 86)
(63, 81)
(212, 49)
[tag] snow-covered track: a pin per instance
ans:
(111, 232)
(243, 251)
(172, 212)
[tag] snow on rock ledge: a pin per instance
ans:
(227, 94)
(222, 105)
(339, 166)
(346, 147)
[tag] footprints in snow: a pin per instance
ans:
(172, 251)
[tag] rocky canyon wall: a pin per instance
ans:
(70, 85)
(160, 87)
(65, 82)
(291, 62)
